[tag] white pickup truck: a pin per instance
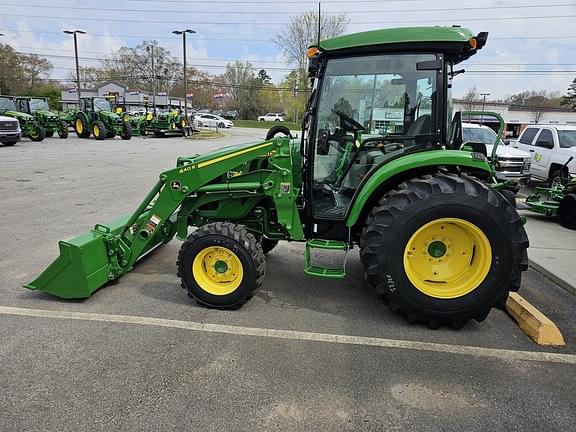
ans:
(551, 146)
(9, 131)
(275, 117)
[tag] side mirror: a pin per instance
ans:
(322, 146)
(545, 143)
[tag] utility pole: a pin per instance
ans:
(75, 33)
(150, 49)
(183, 33)
(483, 105)
(2, 71)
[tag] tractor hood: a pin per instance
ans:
(19, 115)
(49, 115)
(110, 115)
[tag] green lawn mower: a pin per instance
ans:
(38, 107)
(29, 124)
(556, 201)
(96, 117)
(169, 122)
(379, 166)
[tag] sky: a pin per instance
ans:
(530, 46)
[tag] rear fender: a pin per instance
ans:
(387, 175)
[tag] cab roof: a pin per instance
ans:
(450, 40)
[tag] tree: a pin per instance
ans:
(34, 69)
(471, 99)
(535, 102)
(294, 94)
(243, 84)
(302, 31)
(90, 76)
(570, 98)
(50, 91)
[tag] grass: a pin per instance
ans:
(207, 134)
(264, 125)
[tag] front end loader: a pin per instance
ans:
(31, 127)
(96, 117)
(379, 166)
(38, 107)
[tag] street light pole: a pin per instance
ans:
(483, 105)
(183, 33)
(151, 49)
(75, 33)
(2, 82)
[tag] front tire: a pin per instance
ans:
(38, 133)
(99, 130)
(49, 133)
(221, 265)
(444, 249)
(63, 130)
(81, 127)
(126, 133)
(567, 212)
(557, 179)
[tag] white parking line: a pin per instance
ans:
(493, 353)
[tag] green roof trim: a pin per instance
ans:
(398, 36)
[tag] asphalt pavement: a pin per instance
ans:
(304, 354)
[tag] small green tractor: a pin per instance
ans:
(29, 124)
(96, 117)
(556, 201)
(169, 122)
(38, 107)
(380, 165)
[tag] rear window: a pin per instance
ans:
(528, 136)
(567, 138)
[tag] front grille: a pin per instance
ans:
(513, 165)
(9, 126)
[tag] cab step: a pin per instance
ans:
(327, 272)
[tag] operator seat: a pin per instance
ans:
(422, 125)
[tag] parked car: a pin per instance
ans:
(231, 115)
(513, 163)
(211, 120)
(275, 117)
(9, 131)
(550, 146)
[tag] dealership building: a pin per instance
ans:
(136, 100)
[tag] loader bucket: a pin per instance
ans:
(82, 266)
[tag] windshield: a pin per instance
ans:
(369, 106)
(479, 135)
(567, 138)
(102, 105)
(38, 105)
(7, 104)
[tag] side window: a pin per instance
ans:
(528, 136)
(545, 139)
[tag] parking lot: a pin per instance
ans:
(303, 354)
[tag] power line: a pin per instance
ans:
(260, 23)
(275, 12)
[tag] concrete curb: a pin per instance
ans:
(554, 278)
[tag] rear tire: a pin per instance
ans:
(557, 179)
(567, 212)
(443, 249)
(81, 127)
(221, 265)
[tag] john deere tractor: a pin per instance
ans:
(96, 117)
(29, 124)
(169, 122)
(380, 165)
(38, 107)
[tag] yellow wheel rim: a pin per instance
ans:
(447, 258)
(79, 126)
(96, 131)
(217, 270)
(183, 123)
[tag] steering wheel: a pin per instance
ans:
(347, 122)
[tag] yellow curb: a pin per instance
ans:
(533, 322)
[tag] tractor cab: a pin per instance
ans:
(377, 96)
(31, 105)
(95, 105)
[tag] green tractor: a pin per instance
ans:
(96, 117)
(29, 124)
(380, 166)
(169, 122)
(38, 107)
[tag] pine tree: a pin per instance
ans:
(570, 98)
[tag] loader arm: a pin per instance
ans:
(89, 261)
